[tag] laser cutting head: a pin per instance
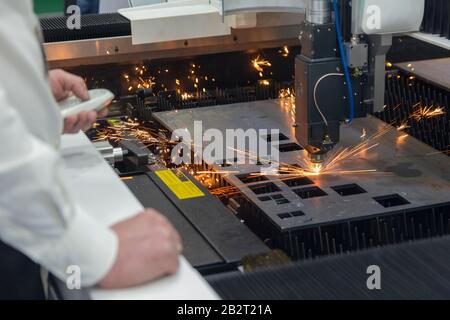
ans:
(321, 103)
(318, 155)
(317, 162)
(317, 158)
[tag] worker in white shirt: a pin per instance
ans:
(37, 216)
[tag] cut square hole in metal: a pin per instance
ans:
(290, 215)
(313, 192)
(297, 214)
(297, 182)
(290, 147)
(390, 201)
(263, 188)
(251, 178)
(349, 190)
(270, 138)
(285, 216)
(280, 199)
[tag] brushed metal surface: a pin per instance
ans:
(121, 49)
(405, 166)
(435, 71)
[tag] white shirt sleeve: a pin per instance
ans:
(36, 215)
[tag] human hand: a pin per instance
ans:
(149, 248)
(64, 85)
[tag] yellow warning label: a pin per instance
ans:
(115, 123)
(179, 184)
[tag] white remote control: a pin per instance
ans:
(99, 99)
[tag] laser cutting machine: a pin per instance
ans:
(341, 78)
(364, 134)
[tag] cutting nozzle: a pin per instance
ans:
(317, 158)
(317, 162)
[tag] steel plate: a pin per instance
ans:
(405, 166)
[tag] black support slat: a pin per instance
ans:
(403, 93)
(436, 19)
(418, 270)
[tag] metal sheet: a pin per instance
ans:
(411, 169)
(435, 71)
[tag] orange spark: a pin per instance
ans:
(424, 112)
(364, 134)
(284, 52)
(260, 63)
(403, 126)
